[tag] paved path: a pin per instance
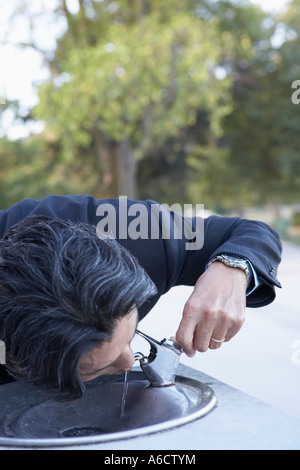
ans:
(263, 360)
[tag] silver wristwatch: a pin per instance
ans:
(233, 262)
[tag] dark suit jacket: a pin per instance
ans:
(167, 261)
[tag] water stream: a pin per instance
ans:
(124, 395)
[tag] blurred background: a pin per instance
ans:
(187, 101)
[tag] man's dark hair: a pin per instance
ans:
(62, 289)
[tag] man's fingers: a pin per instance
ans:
(214, 312)
(202, 337)
(218, 337)
(185, 337)
(195, 328)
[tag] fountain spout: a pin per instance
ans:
(161, 364)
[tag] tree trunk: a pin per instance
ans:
(117, 167)
(107, 162)
(127, 170)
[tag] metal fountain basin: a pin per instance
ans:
(28, 419)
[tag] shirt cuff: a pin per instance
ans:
(253, 283)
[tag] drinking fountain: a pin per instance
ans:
(156, 399)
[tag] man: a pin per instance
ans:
(74, 283)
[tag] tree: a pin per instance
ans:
(263, 129)
(140, 82)
(192, 98)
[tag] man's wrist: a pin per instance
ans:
(234, 262)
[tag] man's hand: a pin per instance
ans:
(215, 309)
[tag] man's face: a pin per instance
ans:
(113, 357)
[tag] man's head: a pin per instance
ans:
(68, 304)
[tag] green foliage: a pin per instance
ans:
(296, 219)
(142, 82)
(197, 89)
(263, 129)
(31, 168)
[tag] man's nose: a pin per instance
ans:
(127, 358)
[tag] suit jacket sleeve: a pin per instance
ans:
(166, 260)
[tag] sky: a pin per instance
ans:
(21, 69)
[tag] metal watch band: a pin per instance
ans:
(232, 262)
